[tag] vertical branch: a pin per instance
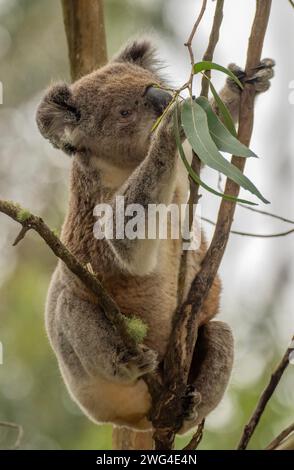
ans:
(213, 40)
(127, 439)
(196, 163)
(85, 32)
(178, 359)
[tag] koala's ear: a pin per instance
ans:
(139, 52)
(57, 116)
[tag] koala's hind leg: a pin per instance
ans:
(101, 374)
(210, 370)
(97, 345)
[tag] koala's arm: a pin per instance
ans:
(152, 182)
(231, 92)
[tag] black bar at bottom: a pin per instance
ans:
(128, 459)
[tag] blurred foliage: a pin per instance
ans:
(32, 53)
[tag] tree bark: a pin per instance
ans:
(85, 32)
(126, 439)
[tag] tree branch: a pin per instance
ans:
(281, 438)
(85, 32)
(196, 163)
(266, 395)
(287, 443)
(18, 427)
(254, 235)
(167, 412)
(30, 221)
(213, 40)
(127, 439)
(196, 439)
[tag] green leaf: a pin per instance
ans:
(228, 120)
(194, 121)
(221, 136)
(207, 65)
(194, 175)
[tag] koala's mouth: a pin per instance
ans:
(159, 99)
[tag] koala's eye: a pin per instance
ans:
(125, 112)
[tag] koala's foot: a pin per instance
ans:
(191, 401)
(131, 367)
(260, 76)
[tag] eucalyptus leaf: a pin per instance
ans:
(207, 65)
(194, 121)
(228, 120)
(221, 136)
(193, 174)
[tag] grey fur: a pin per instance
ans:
(104, 120)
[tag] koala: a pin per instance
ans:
(104, 121)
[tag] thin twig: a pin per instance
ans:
(281, 437)
(196, 163)
(196, 439)
(253, 209)
(19, 429)
(254, 235)
(264, 398)
(188, 43)
(21, 235)
(269, 214)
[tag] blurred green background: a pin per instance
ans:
(257, 274)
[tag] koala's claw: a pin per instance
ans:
(191, 401)
(131, 367)
(240, 74)
(260, 78)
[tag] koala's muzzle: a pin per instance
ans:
(158, 99)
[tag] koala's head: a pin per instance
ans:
(109, 113)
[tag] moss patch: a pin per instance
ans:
(137, 329)
(23, 215)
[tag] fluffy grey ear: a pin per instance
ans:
(57, 116)
(139, 52)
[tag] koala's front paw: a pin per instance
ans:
(167, 125)
(260, 76)
(191, 401)
(131, 367)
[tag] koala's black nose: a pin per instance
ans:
(158, 98)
